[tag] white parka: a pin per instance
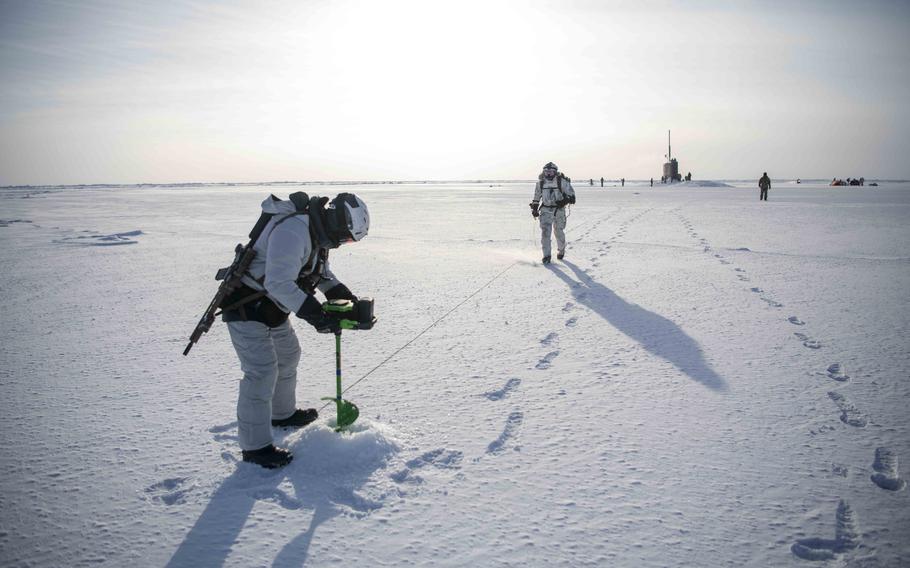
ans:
(285, 252)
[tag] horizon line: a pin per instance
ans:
(391, 182)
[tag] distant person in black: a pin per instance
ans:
(764, 184)
(601, 182)
(652, 182)
(623, 182)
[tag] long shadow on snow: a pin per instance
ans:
(654, 332)
(216, 530)
(325, 492)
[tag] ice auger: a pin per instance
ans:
(352, 315)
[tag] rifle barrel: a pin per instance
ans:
(230, 283)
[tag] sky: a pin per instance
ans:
(313, 90)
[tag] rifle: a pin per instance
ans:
(230, 280)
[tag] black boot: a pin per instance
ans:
(268, 457)
(560, 255)
(299, 419)
(546, 260)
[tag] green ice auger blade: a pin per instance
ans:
(347, 413)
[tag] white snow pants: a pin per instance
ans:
(268, 359)
(552, 219)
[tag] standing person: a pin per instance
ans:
(601, 182)
(764, 184)
(652, 182)
(623, 182)
(290, 265)
(551, 195)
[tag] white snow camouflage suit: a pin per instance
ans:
(552, 217)
(269, 354)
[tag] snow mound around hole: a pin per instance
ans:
(365, 445)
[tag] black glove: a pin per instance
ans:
(571, 200)
(340, 292)
(561, 203)
(311, 312)
(534, 212)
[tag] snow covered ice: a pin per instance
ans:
(705, 380)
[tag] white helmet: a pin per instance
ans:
(347, 218)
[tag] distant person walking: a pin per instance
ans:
(764, 184)
(601, 182)
(652, 182)
(623, 180)
(552, 194)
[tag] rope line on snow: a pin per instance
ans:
(428, 328)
